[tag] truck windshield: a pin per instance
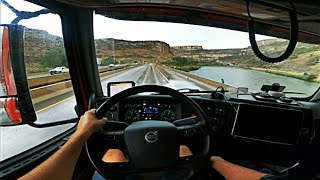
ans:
(154, 50)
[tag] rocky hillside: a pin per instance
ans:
(305, 59)
(128, 51)
(39, 42)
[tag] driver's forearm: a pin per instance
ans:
(61, 164)
(232, 171)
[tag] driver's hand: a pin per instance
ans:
(89, 124)
(117, 156)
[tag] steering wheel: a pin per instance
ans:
(150, 145)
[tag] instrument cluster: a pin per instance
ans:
(147, 110)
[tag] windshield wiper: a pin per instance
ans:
(24, 14)
(288, 92)
(189, 90)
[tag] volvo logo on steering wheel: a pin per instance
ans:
(152, 136)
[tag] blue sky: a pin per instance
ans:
(171, 33)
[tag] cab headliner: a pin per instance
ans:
(272, 16)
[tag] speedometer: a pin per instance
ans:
(168, 115)
(132, 115)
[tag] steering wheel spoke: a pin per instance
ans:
(115, 125)
(188, 132)
(112, 135)
(189, 127)
(186, 121)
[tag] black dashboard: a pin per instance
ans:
(138, 108)
(142, 107)
(242, 128)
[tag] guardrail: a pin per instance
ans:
(197, 78)
(44, 88)
(50, 79)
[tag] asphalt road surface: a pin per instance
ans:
(16, 139)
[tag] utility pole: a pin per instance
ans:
(114, 58)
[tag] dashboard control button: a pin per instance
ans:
(114, 108)
(136, 105)
(164, 105)
(128, 106)
(171, 106)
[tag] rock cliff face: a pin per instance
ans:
(186, 48)
(111, 44)
(200, 54)
(126, 51)
(38, 42)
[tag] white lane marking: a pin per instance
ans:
(155, 77)
(55, 104)
(142, 71)
(121, 76)
(163, 76)
(145, 77)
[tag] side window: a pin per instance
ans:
(48, 79)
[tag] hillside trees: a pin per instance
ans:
(54, 57)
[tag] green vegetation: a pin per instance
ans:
(107, 61)
(308, 49)
(53, 58)
(188, 68)
(313, 60)
(305, 76)
(179, 61)
(184, 64)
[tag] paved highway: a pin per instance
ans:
(16, 139)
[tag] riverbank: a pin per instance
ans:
(302, 76)
(254, 79)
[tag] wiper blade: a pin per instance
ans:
(294, 93)
(189, 90)
(21, 15)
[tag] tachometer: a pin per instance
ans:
(132, 115)
(168, 115)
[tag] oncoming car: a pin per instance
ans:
(225, 78)
(59, 70)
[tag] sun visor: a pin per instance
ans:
(265, 24)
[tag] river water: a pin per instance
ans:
(239, 77)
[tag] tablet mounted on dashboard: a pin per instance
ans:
(268, 124)
(116, 87)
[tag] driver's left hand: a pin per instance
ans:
(89, 124)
